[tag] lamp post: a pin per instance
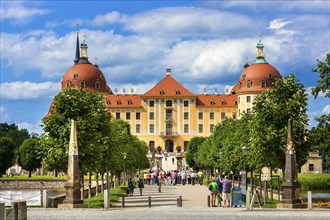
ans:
(220, 154)
(124, 154)
(244, 149)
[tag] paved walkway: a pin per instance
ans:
(191, 196)
(194, 207)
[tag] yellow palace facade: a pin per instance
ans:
(168, 115)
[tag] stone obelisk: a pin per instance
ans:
(72, 186)
(290, 186)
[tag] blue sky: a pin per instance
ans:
(204, 43)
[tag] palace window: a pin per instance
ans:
(200, 128)
(128, 116)
(223, 115)
(97, 85)
(211, 128)
(151, 115)
(263, 84)
(151, 103)
(211, 115)
(185, 103)
(137, 115)
(151, 128)
(200, 115)
(249, 84)
(117, 115)
(82, 84)
(248, 99)
(186, 115)
(137, 128)
(152, 146)
(186, 128)
(169, 103)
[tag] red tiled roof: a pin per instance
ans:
(168, 87)
(257, 73)
(124, 101)
(216, 101)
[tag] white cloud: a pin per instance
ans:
(19, 13)
(31, 127)
(326, 110)
(28, 90)
(109, 18)
(278, 23)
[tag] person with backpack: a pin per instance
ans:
(213, 187)
(131, 186)
(219, 194)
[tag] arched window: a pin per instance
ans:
(82, 84)
(97, 85)
(68, 84)
(249, 84)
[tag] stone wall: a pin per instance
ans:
(28, 184)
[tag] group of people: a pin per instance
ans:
(220, 191)
(131, 185)
(173, 177)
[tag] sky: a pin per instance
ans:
(205, 43)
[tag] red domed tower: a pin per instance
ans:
(84, 74)
(254, 80)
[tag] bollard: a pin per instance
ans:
(44, 198)
(309, 200)
(247, 200)
(2, 210)
(149, 201)
(208, 201)
(179, 201)
(106, 199)
(123, 202)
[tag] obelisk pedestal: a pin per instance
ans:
(290, 186)
(72, 186)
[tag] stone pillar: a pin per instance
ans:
(44, 198)
(179, 161)
(72, 186)
(290, 186)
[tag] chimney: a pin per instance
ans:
(132, 91)
(116, 91)
(124, 91)
(204, 91)
(215, 91)
(168, 72)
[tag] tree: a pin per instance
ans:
(6, 154)
(16, 135)
(323, 68)
(268, 134)
(192, 149)
(28, 155)
(319, 138)
(89, 111)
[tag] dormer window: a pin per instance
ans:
(97, 85)
(223, 102)
(75, 76)
(82, 84)
(235, 102)
(243, 77)
(177, 92)
(68, 84)
(161, 92)
(118, 102)
(129, 102)
(212, 102)
(263, 84)
(249, 84)
(270, 76)
(239, 84)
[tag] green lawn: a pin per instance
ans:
(98, 201)
(36, 178)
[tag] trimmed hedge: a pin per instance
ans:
(314, 182)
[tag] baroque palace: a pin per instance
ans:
(167, 116)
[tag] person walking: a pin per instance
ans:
(131, 186)
(213, 187)
(226, 187)
(140, 184)
(200, 177)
